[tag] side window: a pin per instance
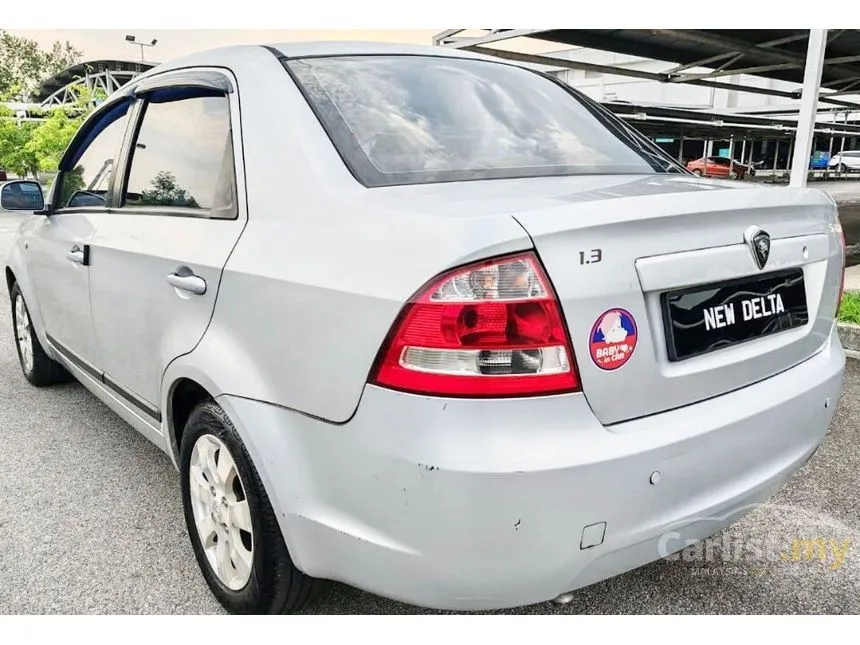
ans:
(86, 181)
(183, 154)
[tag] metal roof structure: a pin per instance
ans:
(107, 75)
(770, 53)
(661, 121)
(826, 62)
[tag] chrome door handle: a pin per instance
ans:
(76, 255)
(190, 283)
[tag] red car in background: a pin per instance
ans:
(720, 167)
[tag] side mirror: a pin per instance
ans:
(22, 195)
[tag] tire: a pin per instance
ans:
(38, 368)
(843, 168)
(733, 174)
(271, 584)
(697, 172)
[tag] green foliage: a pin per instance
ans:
(24, 65)
(849, 309)
(62, 56)
(73, 181)
(51, 138)
(14, 154)
(30, 146)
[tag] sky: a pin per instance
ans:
(172, 43)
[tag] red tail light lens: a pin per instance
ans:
(490, 329)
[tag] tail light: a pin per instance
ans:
(492, 329)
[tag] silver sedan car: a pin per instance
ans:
(427, 323)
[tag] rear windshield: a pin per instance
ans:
(425, 119)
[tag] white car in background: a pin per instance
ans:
(845, 161)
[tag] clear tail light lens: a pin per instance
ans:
(490, 329)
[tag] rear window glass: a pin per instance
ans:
(423, 119)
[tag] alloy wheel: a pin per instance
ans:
(221, 512)
(22, 334)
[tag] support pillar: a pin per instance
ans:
(808, 105)
(731, 154)
(775, 158)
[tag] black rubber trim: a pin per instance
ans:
(76, 360)
(100, 376)
(276, 53)
(131, 398)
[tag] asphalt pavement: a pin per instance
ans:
(90, 522)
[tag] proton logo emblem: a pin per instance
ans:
(759, 243)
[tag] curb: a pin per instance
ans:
(849, 335)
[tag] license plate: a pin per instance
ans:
(710, 317)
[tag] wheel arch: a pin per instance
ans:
(16, 273)
(185, 394)
(10, 280)
(184, 385)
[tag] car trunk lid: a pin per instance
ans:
(634, 249)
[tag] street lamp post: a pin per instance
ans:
(132, 40)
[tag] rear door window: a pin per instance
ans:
(182, 157)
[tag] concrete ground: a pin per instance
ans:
(90, 522)
(852, 278)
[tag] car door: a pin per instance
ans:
(716, 167)
(157, 255)
(57, 247)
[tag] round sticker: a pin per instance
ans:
(613, 339)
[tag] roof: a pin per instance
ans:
(347, 48)
(219, 55)
(70, 74)
(784, 50)
(359, 48)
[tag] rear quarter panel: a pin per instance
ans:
(323, 267)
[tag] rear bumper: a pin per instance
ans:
(463, 504)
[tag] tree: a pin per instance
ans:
(165, 192)
(24, 65)
(62, 56)
(27, 147)
(50, 139)
(14, 138)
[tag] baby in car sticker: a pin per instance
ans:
(613, 339)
